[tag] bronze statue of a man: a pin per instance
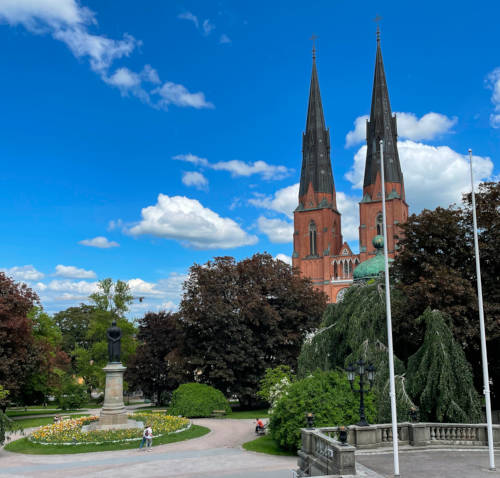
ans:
(114, 335)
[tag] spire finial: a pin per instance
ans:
(314, 38)
(377, 21)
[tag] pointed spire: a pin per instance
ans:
(382, 125)
(316, 165)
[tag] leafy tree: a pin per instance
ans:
(112, 296)
(241, 318)
(73, 324)
(45, 379)
(275, 382)
(157, 367)
(326, 394)
(195, 400)
(440, 376)
(436, 269)
(71, 395)
(6, 424)
(17, 356)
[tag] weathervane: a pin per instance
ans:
(377, 21)
(313, 39)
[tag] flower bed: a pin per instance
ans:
(69, 432)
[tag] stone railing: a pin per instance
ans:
(417, 434)
(323, 455)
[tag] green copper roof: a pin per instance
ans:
(374, 266)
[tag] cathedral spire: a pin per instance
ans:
(316, 165)
(382, 125)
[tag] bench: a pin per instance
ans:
(218, 413)
(262, 431)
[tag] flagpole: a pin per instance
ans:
(486, 379)
(394, 414)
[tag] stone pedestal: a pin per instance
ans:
(113, 410)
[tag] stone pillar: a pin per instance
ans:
(113, 410)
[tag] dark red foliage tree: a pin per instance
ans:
(157, 367)
(241, 318)
(18, 357)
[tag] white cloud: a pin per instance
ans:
(139, 286)
(189, 16)
(23, 273)
(285, 200)
(193, 178)
(493, 82)
(193, 159)
(81, 288)
(277, 230)
(207, 26)
(434, 175)
(239, 168)
(429, 126)
(224, 39)
(172, 93)
(73, 272)
(115, 224)
(186, 220)
(100, 241)
(283, 257)
(68, 22)
(348, 206)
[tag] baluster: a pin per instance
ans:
(433, 433)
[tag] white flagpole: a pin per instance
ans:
(394, 414)
(484, 354)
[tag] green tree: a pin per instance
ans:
(73, 324)
(326, 394)
(440, 377)
(241, 318)
(6, 424)
(275, 382)
(112, 296)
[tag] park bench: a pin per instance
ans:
(262, 431)
(218, 413)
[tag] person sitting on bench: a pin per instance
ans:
(259, 428)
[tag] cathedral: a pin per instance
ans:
(319, 250)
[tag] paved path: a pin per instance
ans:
(217, 454)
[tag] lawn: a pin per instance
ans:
(29, 413)
(248, 414)
(266, 444)
(25, 446)
(38, 422)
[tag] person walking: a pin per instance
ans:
(145, 435)
(149, 438)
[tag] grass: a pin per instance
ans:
(38, 422)
(248, 414)
(266, 444)
(25, 446)
(29, 413)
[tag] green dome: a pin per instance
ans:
(374, 266)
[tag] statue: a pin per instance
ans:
(114, 335)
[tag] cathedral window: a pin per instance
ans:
(380, 225)
(312, 239)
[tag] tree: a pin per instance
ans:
(440, 377)
(17, 355)
(241, 318)
(436, 269)
(112, 297)
(73, 324)
(157, 367)
(45, 379)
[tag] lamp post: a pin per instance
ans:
(364, 371)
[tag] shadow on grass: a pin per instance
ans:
(266, 444)
(25, 446)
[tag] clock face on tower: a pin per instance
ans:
(340, 294)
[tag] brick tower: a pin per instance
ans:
(319, 251)
(381, 126)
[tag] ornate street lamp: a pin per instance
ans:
(364, 371)
(310, 420)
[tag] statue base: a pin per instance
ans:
(113, 411)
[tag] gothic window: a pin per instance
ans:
(340, 294)
(335, 271)
(350, 268)
(346, 269)
(312, 238)
(380, 224)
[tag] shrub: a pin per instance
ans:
(326, 394)
(197, 400)
(71, 395)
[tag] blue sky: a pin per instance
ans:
(137, 139)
